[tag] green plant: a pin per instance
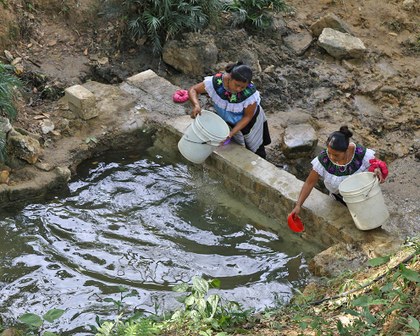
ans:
(8, 95)
(385, 305)
(34, 323)
(160, 20)
(9, 84)
(133, 326)
(124, 292)
(136, 324)
(205, 312)
(254, 13)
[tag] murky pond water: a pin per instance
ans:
(141, 222)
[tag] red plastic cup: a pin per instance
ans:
(295, 224)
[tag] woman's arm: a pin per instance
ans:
(248, 114)
(307, 187)
(193, 93)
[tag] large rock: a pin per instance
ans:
(190, 56)
(24, 147)
(341, 45)
(337, 258)
(299, 140)
(330, 21)
(299, 42)
(5, 125)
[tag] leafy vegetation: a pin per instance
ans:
(388, 304)
(160, 20)
(9, 84)
(203, 314)
(255, 13)
(8, 91)
(34, 324)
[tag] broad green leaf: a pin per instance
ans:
(213, 300)
(387, 288)
(32, 320)
(365, 301)
(352, 312)
(410, 274)
(200, 285)
(53, 314)
(183, 287)
(108, 300)
(121, 289)
(369, 317)
(413, 323)
(378, 302)
(378, 261)
(215, 283)
(201, 305)
(177, 315)
(361, 301)
(189, 300)
(49, 333)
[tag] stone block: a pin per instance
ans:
(142, 77)
(82, 102)
(341, 45)
(299, 141)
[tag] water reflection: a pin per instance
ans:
(146, 224)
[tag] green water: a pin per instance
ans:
(139, 221)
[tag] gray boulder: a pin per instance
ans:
(341, 45)
(191, 56)
(330, 21)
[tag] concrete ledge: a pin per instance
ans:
(275, 191)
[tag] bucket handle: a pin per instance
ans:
(371, 187)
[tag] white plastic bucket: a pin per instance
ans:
(202, 136)
(364, 199)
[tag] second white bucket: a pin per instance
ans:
(203, 136)
(365, 201)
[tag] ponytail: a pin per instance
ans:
(340, 140)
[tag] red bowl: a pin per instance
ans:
(295, 224)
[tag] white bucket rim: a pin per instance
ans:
(359, 189)
(209, 134)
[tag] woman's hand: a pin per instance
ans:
(193, 93)
(379, 175)
(379, 168)
(195, 111)
(295, 211)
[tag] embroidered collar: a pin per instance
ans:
(343, 170)
(233, 98)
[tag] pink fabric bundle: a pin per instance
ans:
(375, 163)
(180, 96)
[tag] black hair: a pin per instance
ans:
(240, 72)
(340, 140)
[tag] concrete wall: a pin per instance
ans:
(271, 189)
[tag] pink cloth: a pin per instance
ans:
(180, 96)
(375, 163)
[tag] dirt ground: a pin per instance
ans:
(65, 43)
